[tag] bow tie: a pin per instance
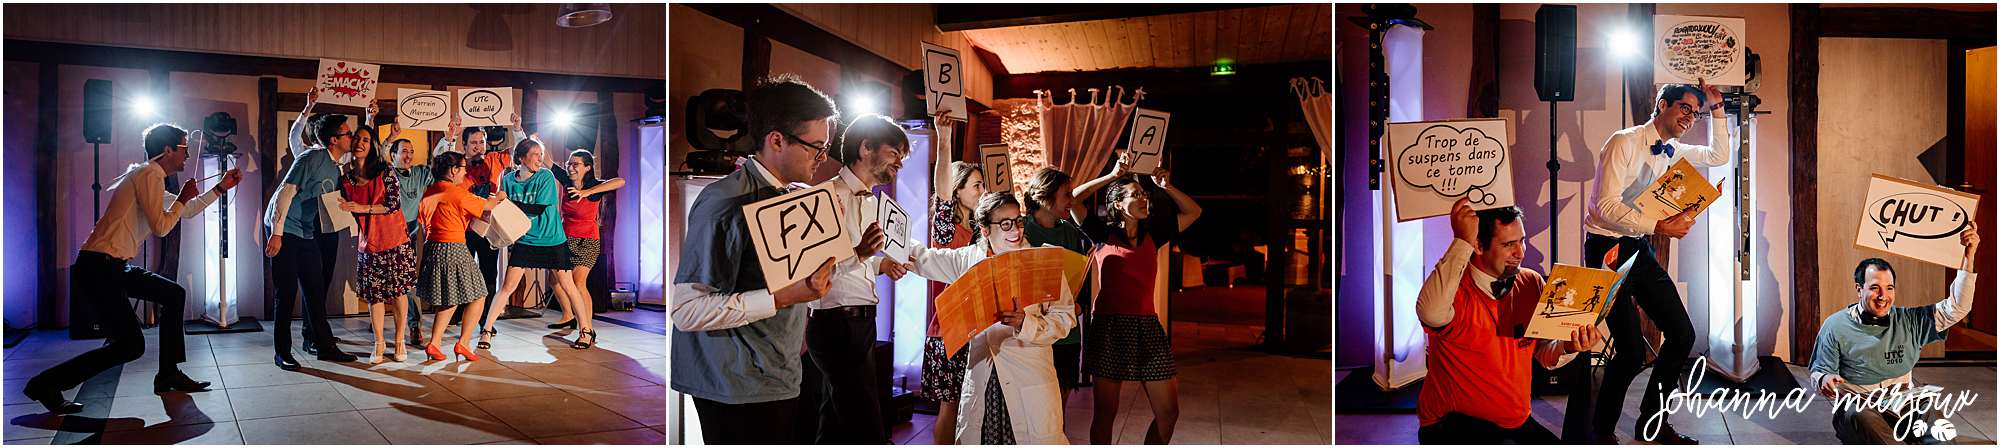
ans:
(865, 193)
(1661, 147)
(1501, 286)
(1870, 319)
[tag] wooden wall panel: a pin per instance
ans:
(1855, 141)
(508, 37)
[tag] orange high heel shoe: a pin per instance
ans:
(462, 352)
(432, 350)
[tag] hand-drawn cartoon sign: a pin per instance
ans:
(421, 109)
(1915, 220)
(486, 107)
(998, 166)
(1437, 162)
(796, 232)
(1149, 136)
(346, 83)
(895, 228)
(943, 83)
(1687, 49)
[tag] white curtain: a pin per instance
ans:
(1318, 108)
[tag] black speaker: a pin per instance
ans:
(1555, 52)
(97, 111)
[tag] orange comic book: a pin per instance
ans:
(1008, 282)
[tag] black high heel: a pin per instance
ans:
(579, 344)
(484, 345)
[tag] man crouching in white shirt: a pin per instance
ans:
(103, 277)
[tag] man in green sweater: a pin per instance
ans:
(1873, 345)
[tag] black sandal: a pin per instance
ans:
(579, 344)
(484, 345)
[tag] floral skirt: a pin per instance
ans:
(387, 275)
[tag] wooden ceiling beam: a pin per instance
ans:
(962, 18)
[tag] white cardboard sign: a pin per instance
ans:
(492, 106)
(1687, 49)
(895, 228)
(1149, 138)
(796, 232)
(943, 84)
(332, 219)
(1915, 220)
(346, 83)
(1434, 163)
(423, 110)
(998, 166)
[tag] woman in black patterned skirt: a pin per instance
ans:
(386, 263)
(1127, 342)
(449, 276)
(579, 218)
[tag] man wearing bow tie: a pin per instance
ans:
(1629, 162)
(1478, 384)
(1874, 344)
(840, 329)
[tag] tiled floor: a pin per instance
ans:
(1229, 394)
(530, 388)
(1975, 423)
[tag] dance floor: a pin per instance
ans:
(531, 387)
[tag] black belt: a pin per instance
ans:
(95, 257)
(850, 311)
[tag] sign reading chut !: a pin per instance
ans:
(1915, 220)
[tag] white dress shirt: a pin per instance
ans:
(698, 307)
(853, 280)
(1627, 165)
(140, 208)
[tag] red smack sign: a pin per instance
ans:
(347, 83)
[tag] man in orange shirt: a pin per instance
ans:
(1477, 388)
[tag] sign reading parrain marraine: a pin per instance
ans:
(1436, 162)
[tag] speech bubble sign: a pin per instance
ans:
(943, 81)
(422, 110)
(1912, 219)
(998, 167)
(895, 228)
(486, 107)
(795, 232)
(1437, 162)
(1688, 49)
(346, 83)
(1149, 139)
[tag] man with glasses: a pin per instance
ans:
(102, 274)
(300, 248)
(1629, 162)
(735, 341)
(840, 329)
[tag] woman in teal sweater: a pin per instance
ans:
(533, 188)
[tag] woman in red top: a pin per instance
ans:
(579, 215)
(387, 263)
(1127, 342)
